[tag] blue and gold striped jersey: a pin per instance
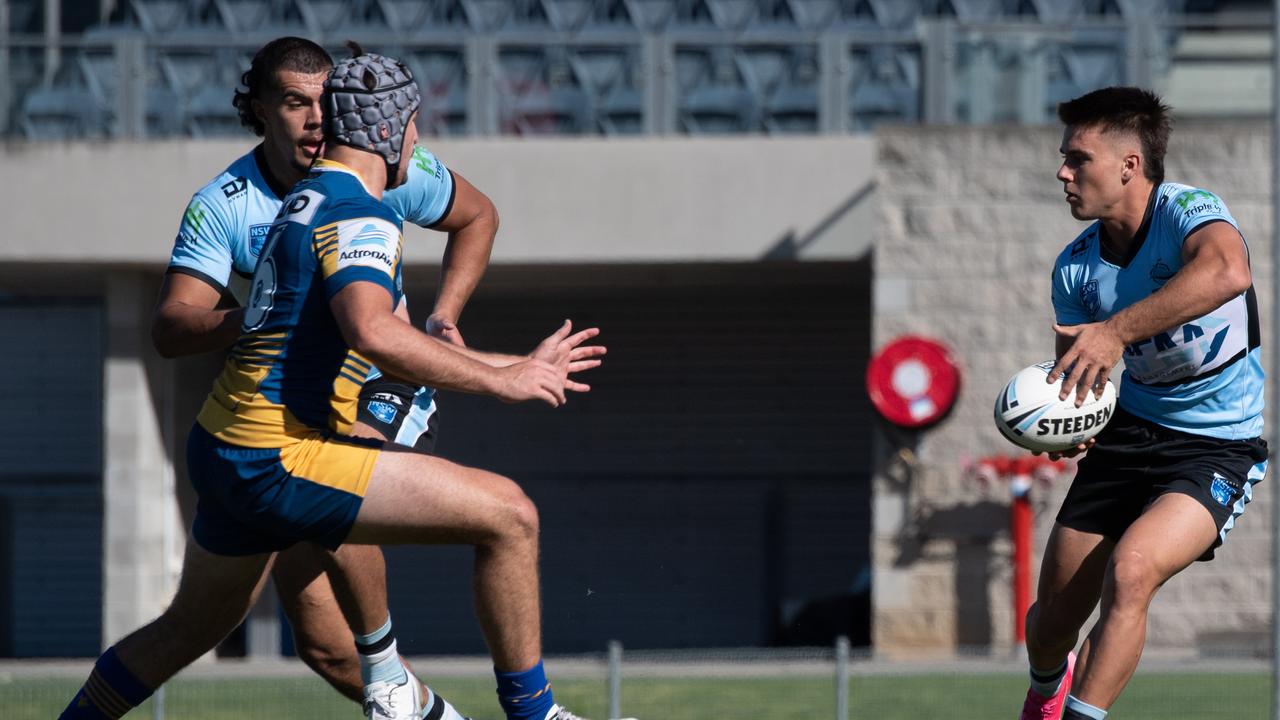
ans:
(292, 374)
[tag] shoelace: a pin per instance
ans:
(372, 704)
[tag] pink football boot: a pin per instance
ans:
(1039, 707)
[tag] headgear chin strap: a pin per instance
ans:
(368, 100)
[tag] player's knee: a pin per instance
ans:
(1134, 579)
(329, 661)
(523, 517)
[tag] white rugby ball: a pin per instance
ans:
(1029, 413)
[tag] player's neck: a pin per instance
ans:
(283, 174)
(1124, 222)
(371, 169)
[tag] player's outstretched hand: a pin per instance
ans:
(566, 352)
(445, 329)
(531, 380)
(1095, 350)
(1081, 448)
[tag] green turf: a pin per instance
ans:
(933, 697)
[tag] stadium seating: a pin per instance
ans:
(613, 66)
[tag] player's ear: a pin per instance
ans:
(259, 110)
(1132, 166)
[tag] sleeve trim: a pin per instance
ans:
(184, 270)
(448, 208)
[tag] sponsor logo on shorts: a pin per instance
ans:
(1222, 490)
(384, 412)
(386, 397)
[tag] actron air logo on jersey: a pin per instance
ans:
(368, 242)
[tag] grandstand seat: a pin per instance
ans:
(444, 111)
(164, 112)
(651, 15)
(101, 73)
(187, 71)
(210, 113)
(60, 113)
(159, 17)
(413, 15)
(792, 109)
(732, 14)
(814, 14)
(717, 109)
(262, 16)
(556, 111)
(873, 102)
(487, 15)
(621, 111)
(568, 15)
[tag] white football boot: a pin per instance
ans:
(558, 713)
(394, 700)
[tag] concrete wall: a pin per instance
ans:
(970, 222)
(578, 200)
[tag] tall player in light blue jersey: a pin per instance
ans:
(217, 247)
(271, 456)
(1160, 280)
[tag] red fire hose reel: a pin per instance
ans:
(913, 381)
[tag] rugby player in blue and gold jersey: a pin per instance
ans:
(1161, 279)
(270, 457)
(217, 247)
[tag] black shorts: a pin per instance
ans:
(404, 414)
(1136, 461)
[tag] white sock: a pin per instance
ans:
(1082, 709)
(446, 711)
(382, 666)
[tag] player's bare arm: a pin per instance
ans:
(187, 320)
(364, 315)
(563, 348)
(1216, 269)
(472, 224)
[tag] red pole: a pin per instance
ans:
(1020, 529)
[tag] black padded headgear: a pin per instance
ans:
(368, 100)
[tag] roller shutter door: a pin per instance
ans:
(713, 488)
(51, 480)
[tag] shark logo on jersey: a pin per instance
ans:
(1089, 298)
(383, 411)
(1222, 490)
(257, 236)
(1160, 273)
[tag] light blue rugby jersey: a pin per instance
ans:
(227, 220)
(1203, 377)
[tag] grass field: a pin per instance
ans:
(950, 696)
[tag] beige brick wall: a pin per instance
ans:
(970, 222)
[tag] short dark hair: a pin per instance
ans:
(287, 53)
(1129, 110)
